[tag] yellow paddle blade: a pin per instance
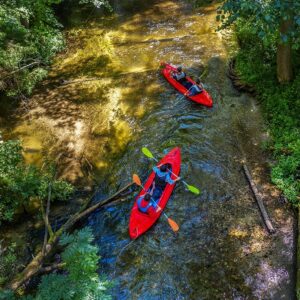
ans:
(173, 225)
(147, 152)
(136, 179)
(193, 189)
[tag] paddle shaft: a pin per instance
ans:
(165, 215)
(156, 203)
(151, 198)
(184, 95)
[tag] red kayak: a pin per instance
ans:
(203, 98)
(140, 222)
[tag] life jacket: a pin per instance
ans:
(160, 179)
(143, 209)
(180, 76)
(197, 88)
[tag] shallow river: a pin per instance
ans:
(105, 99)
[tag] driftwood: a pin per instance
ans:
(259, 200)
(36, 264)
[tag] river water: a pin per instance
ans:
(105, 99)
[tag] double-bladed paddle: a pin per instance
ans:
(191, 188)
(136, 179)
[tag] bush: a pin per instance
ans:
(20, 183)
(8, 263)
(81, 280)
(30, 37)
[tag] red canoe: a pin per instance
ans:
(203, 98)
(140, 222)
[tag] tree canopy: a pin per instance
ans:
(30, 36)
(275, 22)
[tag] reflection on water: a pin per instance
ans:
(112, 102)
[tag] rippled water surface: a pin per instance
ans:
(112, 102)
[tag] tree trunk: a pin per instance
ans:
(284, 55)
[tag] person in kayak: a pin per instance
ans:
(162, 177)
(146, 204)
(196, 88)
(180, 76)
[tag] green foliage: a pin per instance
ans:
(97, 3)
(265, 17)
(8, 265)
(81, 280)
(7, 295)
(260, 54)
(29, 38)
(20, 183)
(256, 65)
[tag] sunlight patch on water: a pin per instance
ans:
(31, 141)
(91, 52)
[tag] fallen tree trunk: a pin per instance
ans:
(259, 200)
(36, 264)
(49, 269)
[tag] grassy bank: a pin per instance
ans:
(256, 65)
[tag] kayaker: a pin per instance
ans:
(196, 88)
(179, 75)
(162, 177)
(145, 204)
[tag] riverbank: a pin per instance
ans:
(281, 109)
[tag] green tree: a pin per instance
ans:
(30, 36)
(19, 183)
(273, 21)
(256, 66)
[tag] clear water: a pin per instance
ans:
(117, 103)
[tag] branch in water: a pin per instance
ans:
(36, 264)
